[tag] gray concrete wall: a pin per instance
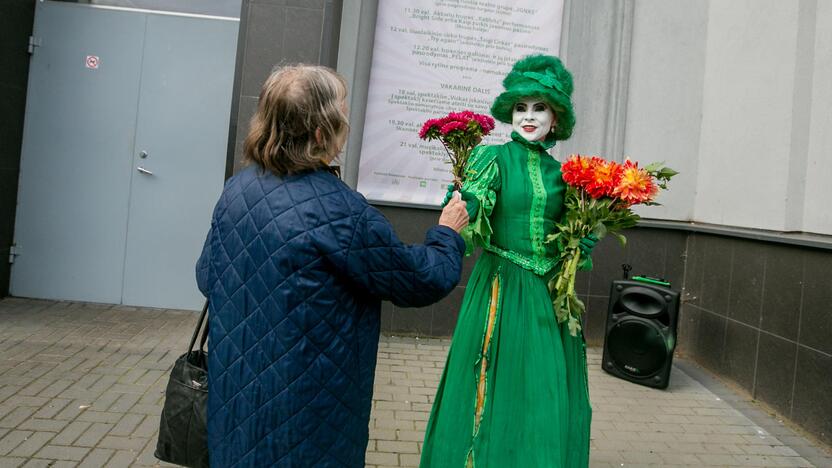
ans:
(759, 314)
(664, 105)
(755, 313)
(817, 216)
(274, 32)
(734, 95)
(747, 113)
(16, 20)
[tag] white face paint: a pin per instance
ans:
(532, 119)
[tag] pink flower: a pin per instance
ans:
(459, 133)
(427, 127)
(486, 123)
(453, 125)
(464, 116)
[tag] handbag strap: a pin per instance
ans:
(204, 336)
(196, 331)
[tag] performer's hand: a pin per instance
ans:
(472, 203)
(454, 215)
(587, 244)
(448, 195)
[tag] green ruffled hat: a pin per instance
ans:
(544, 77)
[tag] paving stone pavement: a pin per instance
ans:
(83, 385)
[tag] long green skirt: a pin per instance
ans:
(514, 391)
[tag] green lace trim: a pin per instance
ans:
(538, 204)
(538, 265)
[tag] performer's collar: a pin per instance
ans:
(538, 145)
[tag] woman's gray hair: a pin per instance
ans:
(300, 122)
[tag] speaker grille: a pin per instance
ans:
(637, 348)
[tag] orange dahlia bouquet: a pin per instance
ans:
(599, 198)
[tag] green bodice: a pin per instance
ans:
(521, 192)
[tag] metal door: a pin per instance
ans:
(181, 138)
(106, 85)
(75, 164)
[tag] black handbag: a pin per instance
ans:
(183, 430)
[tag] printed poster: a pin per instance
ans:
(432, 57)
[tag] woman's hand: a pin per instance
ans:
(471, 202)
(454, 215)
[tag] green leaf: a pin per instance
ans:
(599, 230)
(574, 326)
(577, 305)
(654, 167)
(667, 173)
(620, 238)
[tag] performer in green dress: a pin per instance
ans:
(514, 391)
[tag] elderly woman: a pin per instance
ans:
(514, 389)
(295, 267)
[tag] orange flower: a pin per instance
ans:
(635, 185)
(603, 179)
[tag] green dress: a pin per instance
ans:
(514, 391)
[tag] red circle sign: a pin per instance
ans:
(92, 61)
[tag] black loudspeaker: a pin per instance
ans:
(641, 332)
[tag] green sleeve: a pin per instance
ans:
(482, 180)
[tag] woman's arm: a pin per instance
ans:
(408, 275)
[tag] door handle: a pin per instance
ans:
(144, 171)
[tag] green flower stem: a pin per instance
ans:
(573, 268)
(567, 306)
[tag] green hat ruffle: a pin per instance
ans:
(544, 77)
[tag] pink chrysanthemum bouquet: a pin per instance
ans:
(459, 133)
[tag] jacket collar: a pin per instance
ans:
(538, 145)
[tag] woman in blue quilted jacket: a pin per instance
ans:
(295, 267)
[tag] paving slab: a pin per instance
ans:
(83, 385)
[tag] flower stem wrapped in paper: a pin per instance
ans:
(459, 133)
(598, 201)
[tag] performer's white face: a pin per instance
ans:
(532, 119)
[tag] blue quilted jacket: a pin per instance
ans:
(295, 269)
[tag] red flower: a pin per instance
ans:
(577, 170)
